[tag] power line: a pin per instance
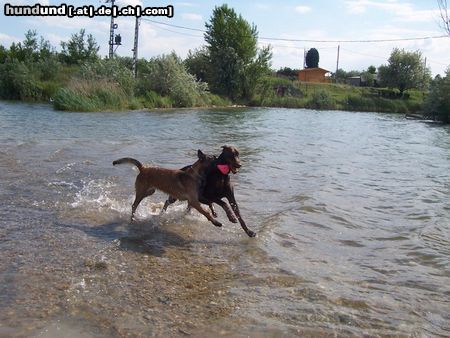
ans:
(313, 40)
(176, 26)
(172, 31)
(357, 41)
(364, 54)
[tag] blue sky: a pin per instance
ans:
(298, 20)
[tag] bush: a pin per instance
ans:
(321, 99)
(49, 89)
(167, 76)
(437, 103)
(154, 100)
(111, 71)
(49, 68)
(217, 101)
(357, 102)
(18, 83)
(135, 104)
(269, 85)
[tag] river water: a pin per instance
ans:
(351, 212)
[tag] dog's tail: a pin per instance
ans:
(129, 160)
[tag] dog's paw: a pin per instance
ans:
(214, 214)
(217, 224)
(233, 219)
(251, 233)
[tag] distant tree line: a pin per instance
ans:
(228, 68)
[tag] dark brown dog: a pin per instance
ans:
(183, 185)
(218, 185)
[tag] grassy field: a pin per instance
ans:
(336, 96)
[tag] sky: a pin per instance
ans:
(290, 27)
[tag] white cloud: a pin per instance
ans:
(262, 7)
(303, 9)
(192, 16)
(24, 2)
(185, 4)
(392, 6)
(6, 40)
(91, 25)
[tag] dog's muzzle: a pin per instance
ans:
(235, 167)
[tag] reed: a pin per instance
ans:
(83, 95)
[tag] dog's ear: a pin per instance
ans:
(200, 155)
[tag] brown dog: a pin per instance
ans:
(182, 185)
(218, 185)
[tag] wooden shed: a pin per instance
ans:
(314, 75)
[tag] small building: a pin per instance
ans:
(354, 81)
(314, 75)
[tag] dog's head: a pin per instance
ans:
(230, 156)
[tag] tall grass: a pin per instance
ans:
(83, 95)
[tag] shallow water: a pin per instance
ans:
(351, 212)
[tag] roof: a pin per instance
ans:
(318, 69)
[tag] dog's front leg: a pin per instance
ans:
(227, 210)
(235, 207)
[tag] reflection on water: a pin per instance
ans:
(351, 211)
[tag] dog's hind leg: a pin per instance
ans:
(199, 208)
(140, 195)
(137, 200)
(168, 202)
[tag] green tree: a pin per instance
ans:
(437, 103)
(372, 70)
(341, 75)
(197, 63)
(3, 54)
(290, 73)
(167, 76)
(405, 70)
(368, 76)
(236, 64)
(312, 58)
(27, 50)
(17, 82)
(78, 50)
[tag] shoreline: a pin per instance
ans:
(213, 107)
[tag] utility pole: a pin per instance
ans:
(135, 48)
(337, 63)
(111, 31)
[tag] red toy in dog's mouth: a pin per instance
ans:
(224, 169)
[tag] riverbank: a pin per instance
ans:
(98, 97)
(272, 92)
